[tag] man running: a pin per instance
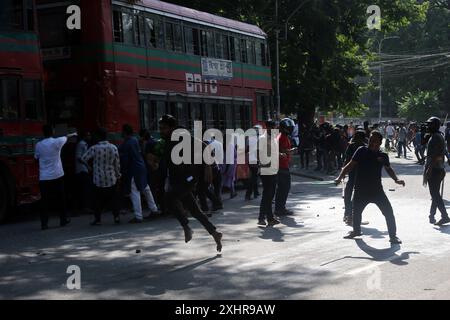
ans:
(434, 173)
(369, 161)
(182, 180)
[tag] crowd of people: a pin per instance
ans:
(141, 170)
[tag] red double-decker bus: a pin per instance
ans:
(131, 63)
(21, 103)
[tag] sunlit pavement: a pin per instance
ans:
(305, 257)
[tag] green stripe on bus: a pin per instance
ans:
(14, 47)
(20, 36)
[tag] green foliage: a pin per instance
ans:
(419, 106)
(327, 46)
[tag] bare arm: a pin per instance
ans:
(394, 177)
(346, 170)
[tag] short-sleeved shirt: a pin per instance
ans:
(402, 134)
(82, 148)
(390, 131)
(369, 169)
(285, 144)
(436, 148)
(48, 152)
(106, 164)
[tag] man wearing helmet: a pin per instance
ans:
(434, 172)
(284, 176)
(369, 162)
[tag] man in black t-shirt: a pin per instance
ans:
(369, 162)
(182, 180)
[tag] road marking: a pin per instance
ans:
(99, 236)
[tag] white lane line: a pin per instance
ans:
(99, 236)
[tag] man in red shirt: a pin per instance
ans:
(284, 175)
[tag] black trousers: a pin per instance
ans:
(283, 188)
(52, 191)
(85, 190)
(362, 199)
(106, 198)
(204, 192)
(269, 187)
(252, 181)
(217, 185)
(348, 194)
(181, 198)
(304, 158)
(434, 184)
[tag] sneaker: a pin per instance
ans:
(443, 221)
(273, 222)
(262, 222)
(65, 222)
(135, 221)
(96, 223)
(352, 235)
(285, 212)
(395, 240)
(432, 220)
(217, 208)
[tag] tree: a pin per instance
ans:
(420, 106)
(327, 46)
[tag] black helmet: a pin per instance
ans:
(287, 125)
(434, 124)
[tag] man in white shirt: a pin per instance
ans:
(51, 174)
(390, 133)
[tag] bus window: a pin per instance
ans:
(244, 56)
(117, 26)
(251, 51)
(145, 113)
(159, 30)
(11, 15)
(258, 52)
(150, 32)
(209, 118)
(9, 98)
(127, 22)
(191, 38)
(174, 37)
(207, 43)
(222, 46)
(139, 34)
(195, 112)
(229, 116)
(178, 38)
(264, 58)
(170, 45)
(32, 91)
(30, 15)
(235, 49)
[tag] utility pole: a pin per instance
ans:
(381, 71)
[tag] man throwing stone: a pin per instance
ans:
(369, 162)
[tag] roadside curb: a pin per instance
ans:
(303, 175)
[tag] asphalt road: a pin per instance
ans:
(305, 257)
